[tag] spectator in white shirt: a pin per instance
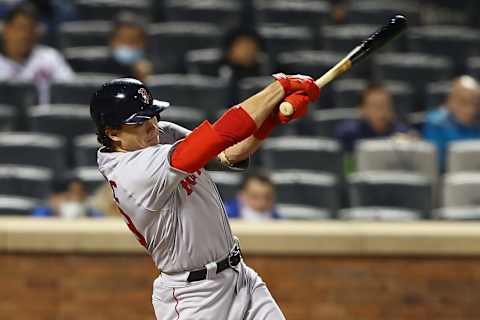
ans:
(23, 59)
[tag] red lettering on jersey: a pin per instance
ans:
(190, 181)
(126, 218)
(132, 228)
(113, 185)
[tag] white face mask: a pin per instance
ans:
(254, 215)
(72, 209)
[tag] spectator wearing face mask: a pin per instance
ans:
(22, 58)
(255, 200)
(457, 120)
(377, 119)
(68, 200)
(127, 48)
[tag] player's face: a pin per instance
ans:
(131, 137)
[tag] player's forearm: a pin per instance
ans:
(261, 105)
(240, 151)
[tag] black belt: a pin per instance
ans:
(232, 260)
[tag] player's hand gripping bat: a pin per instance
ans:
(376, 40)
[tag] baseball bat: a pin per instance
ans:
(376, 40)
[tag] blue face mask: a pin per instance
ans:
(127, 55)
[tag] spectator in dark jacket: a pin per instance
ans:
(377, 119)
(255, 200)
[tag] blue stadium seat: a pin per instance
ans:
(377, 12)
(325, 122)
(78, 91)
(186, 117)
(91, 178)
(87, 59)
(228, 183)
(281, 38)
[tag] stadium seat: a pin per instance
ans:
(281, 38)
(184, 116)
(208, 94)
(223, 13)
(378, 213)
(14, 205)
(377, 12)
(83, 34)
(170, 41)
(87, 59)
(437, 93)
(473, 66)
(307, 188)
(91, 177)
(463, 156)
(455, 42)
(461, 189)
(7, 117)
(307, 13)
(85, 150)
(203, 61)
(33, 149)
(61, 119)
(326, 121)
(228, 183)
(426, 68)
(391, 189)
(20, 95)
(25, 181)
(293, 152)
(343, 38)
(106, 9)
(415, 156)
(296, 211)
(463, 213)
(79, 91)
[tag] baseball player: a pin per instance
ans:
(157, 173)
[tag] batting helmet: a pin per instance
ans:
(123, 101)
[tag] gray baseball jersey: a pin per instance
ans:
(178, 217)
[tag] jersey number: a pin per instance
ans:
(126, 218)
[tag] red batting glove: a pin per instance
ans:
(299, 102)
(298, 82)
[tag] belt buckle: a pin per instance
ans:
(234, 256)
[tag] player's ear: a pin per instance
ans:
(113, 134)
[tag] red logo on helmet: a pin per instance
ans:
(145, 95)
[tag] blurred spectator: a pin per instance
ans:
(377, 119)
(457, 120)
(255, 200)
(23, 59)
(102, 200)
(128, 48)
(241, 58)
(68, 200)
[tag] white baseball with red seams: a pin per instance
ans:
(181, 221)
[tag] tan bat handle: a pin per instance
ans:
(287, 109)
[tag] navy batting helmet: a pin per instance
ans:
(124, 101)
